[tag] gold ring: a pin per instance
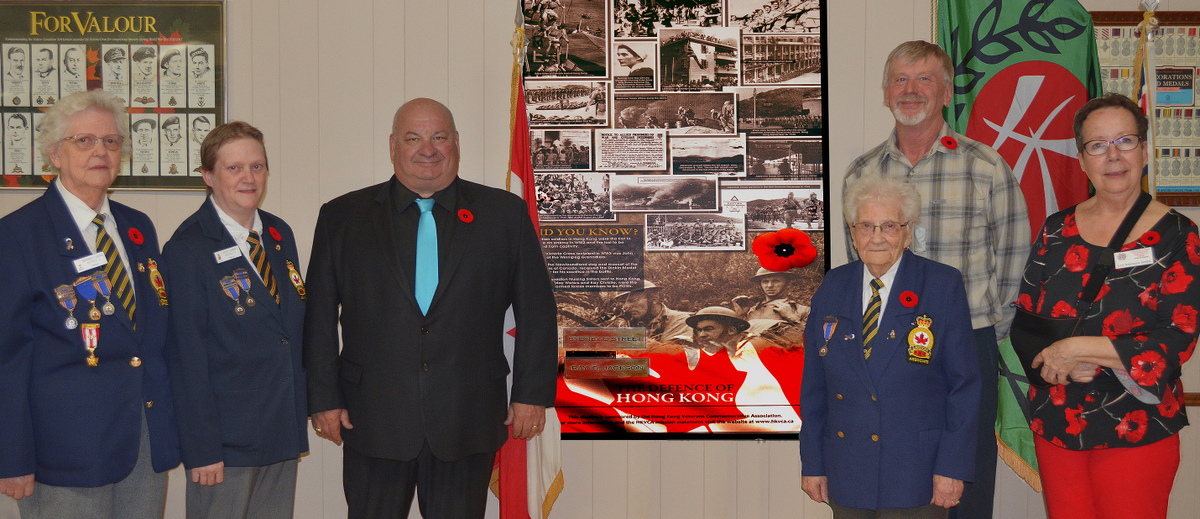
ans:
(318, 429)
(535, 427)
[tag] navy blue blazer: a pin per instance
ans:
(879, 429)
(238, 380)
(407, 378)
(68, 423)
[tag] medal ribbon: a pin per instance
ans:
(116, 271)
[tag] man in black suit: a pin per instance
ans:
(418, 393)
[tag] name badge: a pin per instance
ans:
(1133, 258)
(90, 262)
(228, 254)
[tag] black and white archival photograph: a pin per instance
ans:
(779, 111)
(114, 70)
(201, 76)
(642, 18)
(172, 75)
(72, 69)
(698, 113)
(773, 16)
(44, 75)
(566, 38)
(635, 64)
(775, 59)
(698, 59)
(143, 81)
(143, 129)
(553, 150)
(631, 150)
(784, 159)
(664, 193)
(775, 205)
(724, 156)
(18, 143)
(700, 232)
(573, 197)
(566, 103)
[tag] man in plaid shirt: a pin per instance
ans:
(973, 217)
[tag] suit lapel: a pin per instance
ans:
(851, 316)
(381, 216)
(458, 241)
(213, 229)
(138, 254)
(897, 318)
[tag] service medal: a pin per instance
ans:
(104, 286)
(828, 328)
(66, 298)
(920, 341)
(91, 339)
(87, 290)
(230, 286)
(156, 281)
(243, 280)
(299, 283)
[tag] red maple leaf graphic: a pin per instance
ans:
(922, 339)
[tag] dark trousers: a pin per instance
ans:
(976, 502)
(380, 488)
(930, 511)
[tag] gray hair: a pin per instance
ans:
(876, 187)
(917, 50)
(55, 124)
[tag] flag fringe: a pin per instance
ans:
(1019, 466)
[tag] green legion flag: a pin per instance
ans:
(1031, 65)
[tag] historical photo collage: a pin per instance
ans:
(665, 135)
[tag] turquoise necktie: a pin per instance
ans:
(427, 255)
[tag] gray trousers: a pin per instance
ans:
(141, 495)
(247, 493)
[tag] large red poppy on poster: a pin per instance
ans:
(1032, 131)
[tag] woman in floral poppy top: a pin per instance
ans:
(1102, 451)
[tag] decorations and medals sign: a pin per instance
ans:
(166, 60)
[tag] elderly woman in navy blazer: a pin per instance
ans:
(891, 385)
(233, 350)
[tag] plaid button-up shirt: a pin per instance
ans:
(973, 217)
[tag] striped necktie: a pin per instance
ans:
(258, 256)
(871, 318)
(117, 273)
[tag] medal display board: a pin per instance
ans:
(165, 60)
(665, 137)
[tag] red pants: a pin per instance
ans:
(1117, 483)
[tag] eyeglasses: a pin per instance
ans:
(887, 228)
(1100, 147)
(87, 141)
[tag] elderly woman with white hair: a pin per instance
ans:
(890, 396)
(89, 423)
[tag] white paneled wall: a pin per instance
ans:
(322, 79)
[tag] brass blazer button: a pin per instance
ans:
(135, 362)
(841, 435)
(874, 437)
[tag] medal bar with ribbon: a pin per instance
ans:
(66, 298)
(296, 281)
(830, 324)
(243, 280)
(87, 290)
(230, 286)
(156, 281)
(91, 339)
(104, 286)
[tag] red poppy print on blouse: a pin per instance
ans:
(1026, 302)
(1058, 394)
(1170, 403)
(1133, 426)
(1186, 355)
(1062, 309)
(1069, 228)
(1076, 258)
(1119, 323)
(1184, 318)
(1193, 248)
(1075, 421)
(1103, 292)
(136, 236)
(1149, 297)
(1175, 280)
(1036, 426)
(1147, 368)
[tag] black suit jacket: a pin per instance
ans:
(238, 381)
(407, 378)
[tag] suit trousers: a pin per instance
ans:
(141, 495)
(930, 511)
(380, 488)
(977, 496)
(247, 493)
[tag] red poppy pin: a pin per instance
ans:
(784, 249)
(949, 142)
(274, 234)
(908, 299)
(1150, 238)
(136, 236)
(465, 216)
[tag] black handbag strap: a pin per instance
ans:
(1105, 263)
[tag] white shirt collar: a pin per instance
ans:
(888, 278)
(235, 229)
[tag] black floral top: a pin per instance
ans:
(1149, 313)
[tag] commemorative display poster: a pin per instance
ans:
(1176, 121)
(678, 147)
(165, 60)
